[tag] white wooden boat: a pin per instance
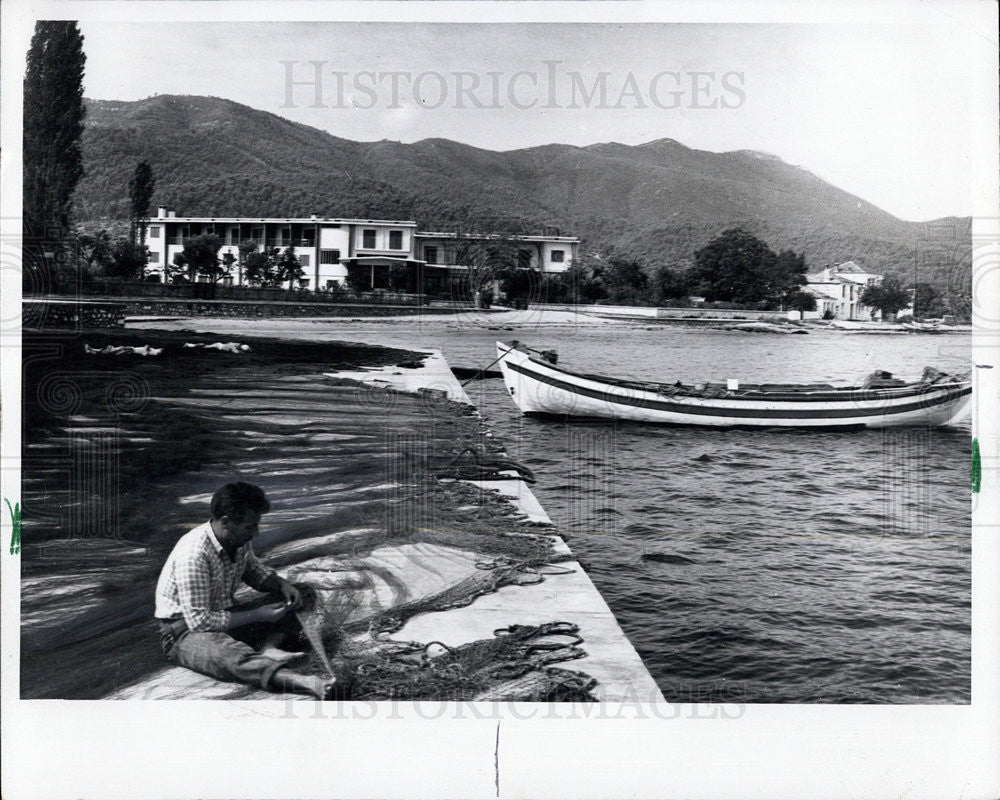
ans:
(538, 386)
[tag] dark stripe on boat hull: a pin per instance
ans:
(583, 420)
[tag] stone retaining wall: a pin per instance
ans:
(69, 313)
(72, 315)
(222, 308)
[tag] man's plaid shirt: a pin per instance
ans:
(199, 579)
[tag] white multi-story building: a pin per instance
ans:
(327, 247)
(543, 253)
(838, 291)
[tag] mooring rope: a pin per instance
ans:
(513, 344)
(485, 468)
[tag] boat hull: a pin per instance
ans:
(538, 387)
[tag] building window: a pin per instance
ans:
(185, 232)
(304, 260)
(431, 255)
(395, 240)
(154, 232)
(368, 239)
(557, 256)
(329, 256)
(524, 259)
(330, 284)
(154, 257)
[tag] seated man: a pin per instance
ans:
(199, 629)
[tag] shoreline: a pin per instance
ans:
(499, 319)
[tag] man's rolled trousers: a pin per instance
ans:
(236, 654)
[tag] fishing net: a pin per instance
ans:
(360, 587)
(513, 665)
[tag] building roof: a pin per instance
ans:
(378, 260)
(516, 237)
(848, 272)
(298, 220)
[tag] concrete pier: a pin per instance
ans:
(565, 593)
(569, 596)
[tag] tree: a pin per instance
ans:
(927, 302)
(140, 192)
(889, 298)
(518, 285)
(128, 260)
(119, 258)
(288, 268)
(259, 267)
(669, 285)
(53, 125)
(200, 256)
(246, 249)
(626, 282)
(95, 252)
(585, 277)
(736, 267)
(788, 278)
(801, 301)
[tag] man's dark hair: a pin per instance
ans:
(234, 500)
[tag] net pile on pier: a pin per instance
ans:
(514, 665)
(360, 587)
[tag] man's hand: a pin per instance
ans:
(272, 612)
(292, 595)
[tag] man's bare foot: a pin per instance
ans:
(286, 680)
(328, 689)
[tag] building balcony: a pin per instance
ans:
(281, 242)
(384, 251)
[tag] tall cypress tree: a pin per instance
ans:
(53, 125)
(140, 192)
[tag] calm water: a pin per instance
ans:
(791, 566)
(763, 566)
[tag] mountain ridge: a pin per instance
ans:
(658, 201)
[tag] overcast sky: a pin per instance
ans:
(885, 112)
